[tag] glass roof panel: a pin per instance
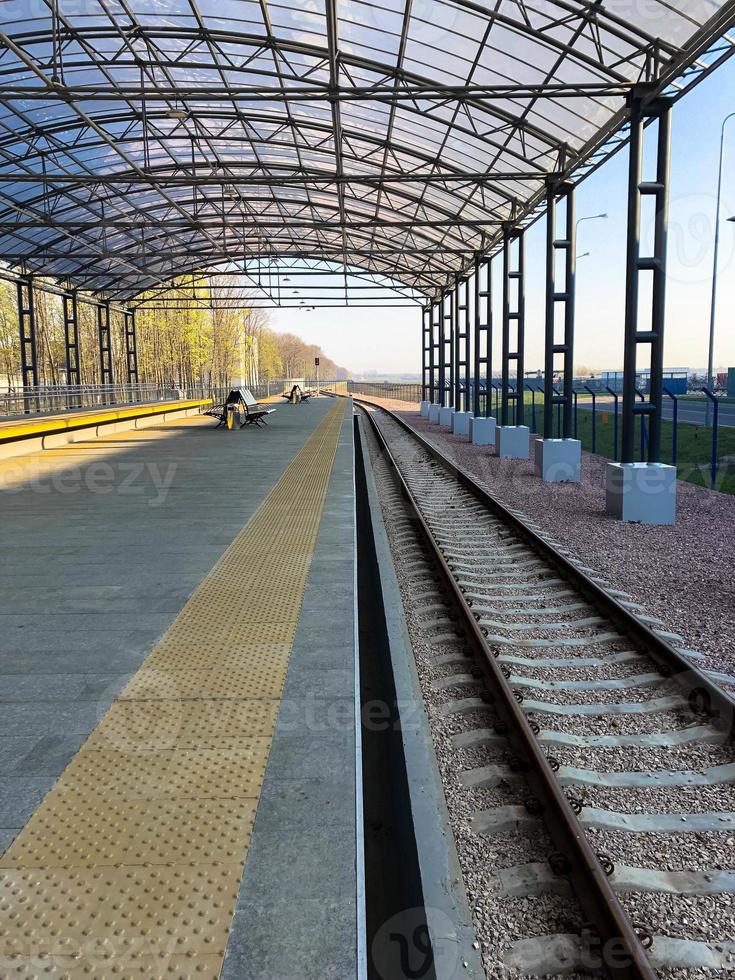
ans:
(279, 128)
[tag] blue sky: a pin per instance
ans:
(389, 339)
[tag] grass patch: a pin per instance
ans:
(694, 449)
(694, 445)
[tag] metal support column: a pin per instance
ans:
(656, 265)
(434, 351)
(447, 380)
(513, 312)
(71, 338)
(27, 331)
(567, 246)
(462, 346)
(131, 347)
(454, 384)
(483, 337)
(425, 346)
(442, 352)
(105, 342)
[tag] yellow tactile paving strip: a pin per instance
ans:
(131, 865)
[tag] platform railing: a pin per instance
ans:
(47, 399)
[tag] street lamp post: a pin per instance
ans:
(589, 217)
(713, 301)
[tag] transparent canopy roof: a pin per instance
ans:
(143, 139)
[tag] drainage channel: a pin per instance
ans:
(397, 930)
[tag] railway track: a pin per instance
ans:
(588, 755)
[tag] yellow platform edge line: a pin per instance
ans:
(131, 865)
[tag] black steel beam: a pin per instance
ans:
(214, 221)
(406, 92)
(235, 173)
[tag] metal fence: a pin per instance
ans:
(48, 399)
(698, 428)
(63, 398)
(387, 389)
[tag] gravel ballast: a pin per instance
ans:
(684, 574)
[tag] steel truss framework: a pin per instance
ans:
(392, 140)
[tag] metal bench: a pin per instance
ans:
(242, 400)
(296, 394)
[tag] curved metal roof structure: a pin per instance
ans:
(388, 140)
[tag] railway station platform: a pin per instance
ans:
(177, 733)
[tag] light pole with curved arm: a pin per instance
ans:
(713, 301)
(588, 217)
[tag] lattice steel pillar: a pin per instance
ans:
(425, 340)
(105, 342)
(655, 264)
(483, 331)
(514, 311)
(27, 332)
(435, 343)
(462, 345)
(554, 299)
(442, 352)
(448, 344)
(131, 347)
(71, 338)
(456, 398)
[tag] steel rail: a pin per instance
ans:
(618, 946)
(703, 694)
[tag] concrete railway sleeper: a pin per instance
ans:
(530, 654)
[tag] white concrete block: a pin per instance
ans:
(445, 416)
(513, 441)
(643, 492)
(425, 409)
(558, 460)
(482, 431)
(434, 413)
(461, 423)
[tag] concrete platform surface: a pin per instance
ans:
(105, 541)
